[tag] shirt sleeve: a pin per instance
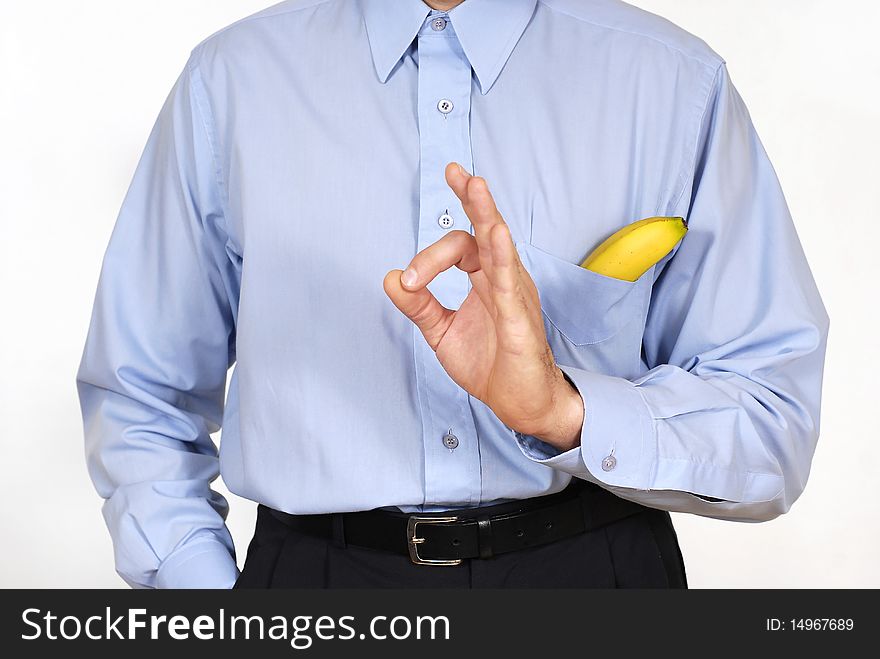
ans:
(152, 377)
(724, 420)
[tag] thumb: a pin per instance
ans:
(421, 307)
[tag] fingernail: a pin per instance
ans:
(409, 277)
(462, 171)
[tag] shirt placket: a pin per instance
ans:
(451, 450)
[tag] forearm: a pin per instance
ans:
(672, 439)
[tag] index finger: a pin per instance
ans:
(456, 248)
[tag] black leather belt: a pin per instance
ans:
(445, 538)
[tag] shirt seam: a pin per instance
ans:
(718, 62)
(696, 58)
(262, 15)
(196, 84)
(689, 171)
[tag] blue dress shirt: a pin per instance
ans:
(299, 157)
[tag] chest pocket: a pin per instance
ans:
(593, 321)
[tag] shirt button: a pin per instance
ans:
(450, 441)
(445, 106)
(445, 220)
(609, 463)
(438, 24)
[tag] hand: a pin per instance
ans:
(494, 346)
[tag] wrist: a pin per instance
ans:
(564, 423)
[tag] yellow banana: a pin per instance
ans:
(630, 251)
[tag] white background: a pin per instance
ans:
(81, 84)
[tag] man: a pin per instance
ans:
(526, 421)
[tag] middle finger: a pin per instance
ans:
(477, 202)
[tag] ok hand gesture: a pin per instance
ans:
(494, 346)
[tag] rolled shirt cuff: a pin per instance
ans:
(206, 563)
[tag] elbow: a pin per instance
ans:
(793, 461)
(766, 511)
(787, 482)
(789, 448)
(752, 512)
(788, 488)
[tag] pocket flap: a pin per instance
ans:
(585, 306)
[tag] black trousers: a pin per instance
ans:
(639, 551)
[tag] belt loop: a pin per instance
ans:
(338, 524)
(588, 503)
(484, 527)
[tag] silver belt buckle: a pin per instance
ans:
(413, 542)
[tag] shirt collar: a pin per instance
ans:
(488, 30)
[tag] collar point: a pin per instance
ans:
(485, 82)
(382, 73)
